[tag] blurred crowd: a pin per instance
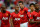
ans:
(10, 4)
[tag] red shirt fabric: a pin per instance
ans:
(0, 15)
(36, 17)
(16, 19)
(23, 15)
(5, 18)
(29, 15)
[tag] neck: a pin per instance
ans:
(22, 8)
(31, 10)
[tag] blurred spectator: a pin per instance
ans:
(11, 8)
(15, 2)
(1, 2)
(32, 1)
(26, 4)
(11, 3)
(7, 2)
(38, 1)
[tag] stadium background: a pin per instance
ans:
(11, 3)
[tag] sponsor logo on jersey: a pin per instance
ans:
(38, 18)
(5, 18)
(21, 15)
(17, 19)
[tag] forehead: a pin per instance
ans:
(16, 6)
(32, 5)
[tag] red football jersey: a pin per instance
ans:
(29, 16)
(16, 19)
(23, 15)
(5, 18)
(39, 10)
(0, 15)
(36, 17)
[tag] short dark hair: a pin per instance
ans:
(32, 4)
(21, 2)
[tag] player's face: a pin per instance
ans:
(32, 7)
(37, 6)
(3, 9)
(20, 4)
(17, 8)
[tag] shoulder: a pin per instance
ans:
(33, 12)
(7, 11)
(25, 8)
(0, 12)
(12, 13)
